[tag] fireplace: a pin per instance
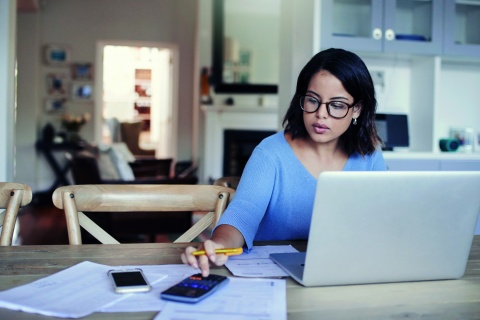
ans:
(238, 145)
(253, 123)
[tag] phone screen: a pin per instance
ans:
(125, 281)
(128, 279)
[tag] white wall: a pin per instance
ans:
(28, 100)
(393, 96)
(297, 18)
(204, 59)
(7, 88)
(459, 102)
(80, 24)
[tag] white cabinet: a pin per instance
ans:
(462, 28)
(416, 161)
(432, 27)
(399, 26)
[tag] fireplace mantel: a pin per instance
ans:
(220, 118)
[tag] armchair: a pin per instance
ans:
(113, 166)
(130, 133)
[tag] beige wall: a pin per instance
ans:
(80, 24)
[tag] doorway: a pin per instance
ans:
(137, 82)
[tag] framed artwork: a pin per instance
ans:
(57, 55)
(82, 71)
(82, 91)
(55, 104)
(57, 83)
(464, 136)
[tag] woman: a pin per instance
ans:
(329, 126)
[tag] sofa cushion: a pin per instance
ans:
(107, 168)
(120, 161)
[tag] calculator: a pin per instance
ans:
(194, 288)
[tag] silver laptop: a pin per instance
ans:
(375, 227)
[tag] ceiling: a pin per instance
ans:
(28, 5)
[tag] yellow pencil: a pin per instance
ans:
(226, 251)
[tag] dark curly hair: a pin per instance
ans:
(352, 72)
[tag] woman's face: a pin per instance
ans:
(321, 127)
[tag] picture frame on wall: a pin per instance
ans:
(82, 71)
(55, 104)
(82, 91)
(57, 83)
(57, 55)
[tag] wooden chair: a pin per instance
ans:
(12, 197)
(148, 198)
(229, 182)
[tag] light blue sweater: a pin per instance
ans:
(274, 199)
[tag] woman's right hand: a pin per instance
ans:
(203, 261)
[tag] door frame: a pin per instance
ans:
(98, 92)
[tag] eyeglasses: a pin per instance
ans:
(336, 109)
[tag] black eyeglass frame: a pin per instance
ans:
(327, 104)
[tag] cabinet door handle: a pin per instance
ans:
(389, 35)
(377, 33)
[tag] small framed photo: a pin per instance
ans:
(57, 55)
(57, 83)
(464, 136)
(82, 91)
(55, 104)
(82, 71)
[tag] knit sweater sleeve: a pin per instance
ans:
(252, 196)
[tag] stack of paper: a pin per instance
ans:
(86, 288)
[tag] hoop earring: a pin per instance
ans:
(354, 121)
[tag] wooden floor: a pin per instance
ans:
(42, 224)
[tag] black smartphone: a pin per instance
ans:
(194, 288)
(131, 280)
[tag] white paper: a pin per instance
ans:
(257, 263)
(86, 288)
(240, 299)
(74, 292)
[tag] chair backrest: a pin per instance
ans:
(129, 198)
(229, 182)
(12, 197)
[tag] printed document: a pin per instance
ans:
(240, 299)
(257, 263)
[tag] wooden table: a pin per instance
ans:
(452, 299)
